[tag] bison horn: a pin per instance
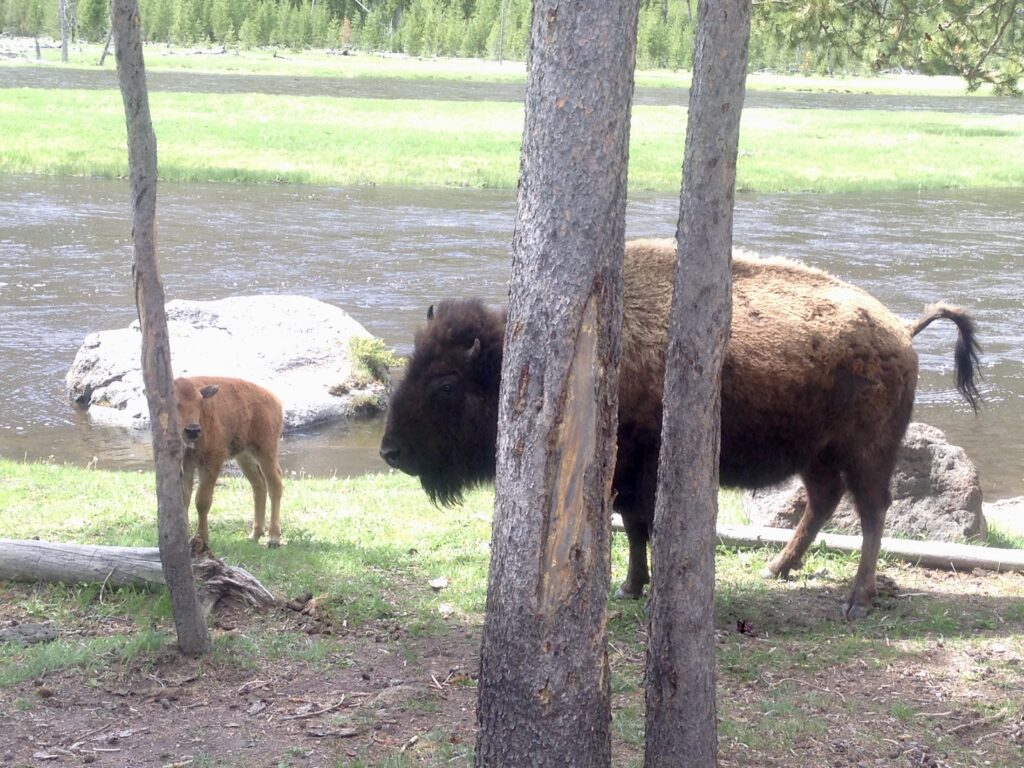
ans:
(430, 312)
(474, 350)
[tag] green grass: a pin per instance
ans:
(368, 547)
(368, 65)
(321, 140)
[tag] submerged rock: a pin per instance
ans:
(297, 347)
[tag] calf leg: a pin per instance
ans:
(204, 499)
(272, 473)
(251, 469)
(824, 487)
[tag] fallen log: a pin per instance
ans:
(930, 554)
(35, 561)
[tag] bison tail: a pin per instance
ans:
(967, 348)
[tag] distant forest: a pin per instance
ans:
(980, 40)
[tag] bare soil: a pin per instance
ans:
(848, 697)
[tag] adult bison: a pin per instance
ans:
(818, 380)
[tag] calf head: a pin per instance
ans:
(443, 417)
(190, 398)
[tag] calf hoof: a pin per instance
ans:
(255, 535)
(198, 546)
(273, 543)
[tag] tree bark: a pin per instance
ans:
(680, 695)
(35, 561)
(106, 47)
(544, 687)
(172, 524)
(62, 13)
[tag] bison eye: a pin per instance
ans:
(445, 386)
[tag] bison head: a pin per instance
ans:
(190, 399)
(443, 418)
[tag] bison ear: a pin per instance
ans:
(473, 351)
(430, 313)
(209, 391)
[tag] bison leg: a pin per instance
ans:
(872, 499)
(251, 469)
(824, 489)
(637, 573)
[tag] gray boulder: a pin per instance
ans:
(297, 347)
(935, 495)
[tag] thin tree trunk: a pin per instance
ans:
(544, 686)
(106, 47)
(172, 524)
(62, 13)
(680, 696)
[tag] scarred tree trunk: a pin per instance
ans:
(172, 524)
(544, 689)
(681, 724)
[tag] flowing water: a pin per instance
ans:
(386, 254)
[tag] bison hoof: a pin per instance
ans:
(853, 612)
(770, 572)
(273, 544)
(622, 593)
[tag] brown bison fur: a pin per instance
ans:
(818, 380)
(221, 419)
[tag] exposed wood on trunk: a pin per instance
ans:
(680, 691)
(34, 561)
(544, 680)
(172, 523)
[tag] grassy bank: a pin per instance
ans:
(933, 673)
(264, 138)
(367, 65)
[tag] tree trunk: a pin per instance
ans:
(35, 561)
(680, 696)
(62, 18)
(172, 524)
(106, 48)
(544, 687)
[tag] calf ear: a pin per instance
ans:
(209, 390)
(430, 313)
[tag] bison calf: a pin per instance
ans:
(221, 419)
(818, 381)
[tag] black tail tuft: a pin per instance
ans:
(967, 351)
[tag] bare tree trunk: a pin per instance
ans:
(681, 715)
(172, 525)
(106, 47)
(544, 687)
(62, 14)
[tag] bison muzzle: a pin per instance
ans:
(818, 381)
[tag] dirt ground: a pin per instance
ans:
(396, 699)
